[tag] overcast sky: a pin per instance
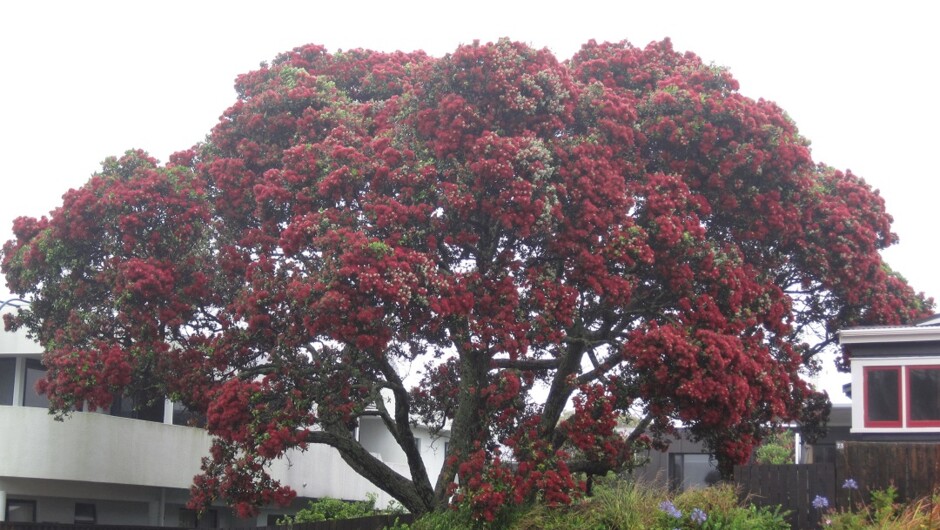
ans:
(85, 80)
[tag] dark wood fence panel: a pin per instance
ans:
(912, 467)
(793, 487)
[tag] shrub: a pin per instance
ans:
(777, 449)
(327, 508)
(631, 505)
(884, 513)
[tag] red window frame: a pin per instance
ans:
(912, 422)
(874, 423)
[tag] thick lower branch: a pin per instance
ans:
(371, 468)
(404, 435)
(561, 388)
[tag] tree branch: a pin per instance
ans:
(370, 467)
(405, 438)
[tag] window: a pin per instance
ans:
(189, 519)
(882, 396)
(35, 371)
(923, 396)
(692, 470)
(85, 513)
(140, 409)
(186, 417)
(7, 376)
(20, 511)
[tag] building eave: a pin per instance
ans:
(889, 334)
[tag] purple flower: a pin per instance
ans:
(698, 516)
(850, 484)
(670, 509)
(820, 502)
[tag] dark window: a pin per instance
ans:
(85, 513)
(924, 395)
(692, 470)
(138, 408)
(186, 417)
(35, 371)
(189, 519)
(20, 511)
(824, 454)
(7, 375)
(882, 396)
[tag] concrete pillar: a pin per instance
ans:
(167, 411)
(162, 518)
(19, 382)
(153, 513)
(3, 506)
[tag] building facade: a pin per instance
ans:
(895, 381)
(134, 466)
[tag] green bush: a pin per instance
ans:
(628, 505)
(885, 513)
(777, 449)
(327, 508)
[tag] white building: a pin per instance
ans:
(895, 381)
(106, 469)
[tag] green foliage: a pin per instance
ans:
(750, 518)
(398, 525)
(447, 520)
(777, 449)
(327, 509)
(883, 503)
(379, 249)
(885, 513)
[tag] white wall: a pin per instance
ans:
(376, 439)
(17, 343)
(98, 448)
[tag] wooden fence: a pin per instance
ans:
(794, 487)
(911, 467)
(375, 522)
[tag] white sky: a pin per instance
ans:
(85, 80)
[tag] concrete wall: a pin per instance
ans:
(376, 439)
(99, 448)
(17, 344)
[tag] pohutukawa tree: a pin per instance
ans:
(621, 233)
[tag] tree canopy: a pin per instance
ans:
(474, 242)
